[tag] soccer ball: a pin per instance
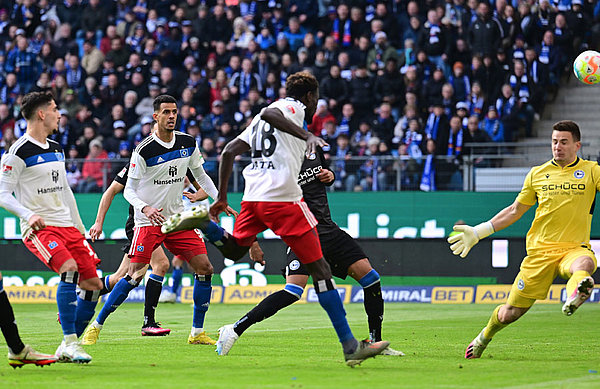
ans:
(587, 67)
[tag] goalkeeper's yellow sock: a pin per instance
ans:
(493, 325)
(575, 280)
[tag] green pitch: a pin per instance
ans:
(298, 349)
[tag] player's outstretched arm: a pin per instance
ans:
(232, 149)
(469, 236)
(276, 119)
(105, 202)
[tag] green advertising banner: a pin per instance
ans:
(399, 215)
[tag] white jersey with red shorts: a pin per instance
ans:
(35, 173)
(272, 197)
(156, 178)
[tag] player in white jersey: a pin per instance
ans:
(34, 170)
(156, 180)
(273, 199)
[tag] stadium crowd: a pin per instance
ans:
(401, 81)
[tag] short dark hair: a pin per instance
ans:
(162, 99)
(32, 101)
(299, 84)
(568, 126)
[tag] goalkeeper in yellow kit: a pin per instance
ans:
(558, 242)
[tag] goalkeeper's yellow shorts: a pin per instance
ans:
(538, 271)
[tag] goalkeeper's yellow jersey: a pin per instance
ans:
(566, 198)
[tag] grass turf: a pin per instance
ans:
(298, 349)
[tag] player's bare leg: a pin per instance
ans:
(111, 280)
(502, 316)
(369, 279)
(580, 284)
(203, 271)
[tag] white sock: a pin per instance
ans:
(71, 338)
(95, 324)
(197, 331)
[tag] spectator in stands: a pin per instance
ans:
(93, 172)
(579, 23)
(294, 33)
(11, 89)
(448, 99)
(362, 87)
(485, 34)
(493, 125)
(437, 126)
(94, 17)
(359, 53)
(112, 93)
(380, 52)
(7, 120)
(383, 124)
(329, 132)
(24, 64)
(551, 55)
(460, 82)
(321, 115)
(508, 110)
(476, 100)
(433, 88)
(75, 74)
(144, 107)
(388, 85)
(306, 11)
(72, 167)
(112, 144)
(372, 172)
(348, 120)
(538, 75)
(146, 127)
(107, 125)
(361, 137)
(241, 82)
(341, 153)
(212, 122)
(434, 40)
(241, 36)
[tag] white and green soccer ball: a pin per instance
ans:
(587, 67)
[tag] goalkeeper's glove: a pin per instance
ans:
(462, 243)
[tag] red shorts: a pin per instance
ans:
(56, 245)
(185, 244)
(292, 221)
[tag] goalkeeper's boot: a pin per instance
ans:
(91, 334)
(201, 338)
(167, 297)
(72, 352)
(390, 351)
(154, 329)
(227, 338)
(196, 217)
(28, 356)
(365, 350)
(579, 295)
(477, 346)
